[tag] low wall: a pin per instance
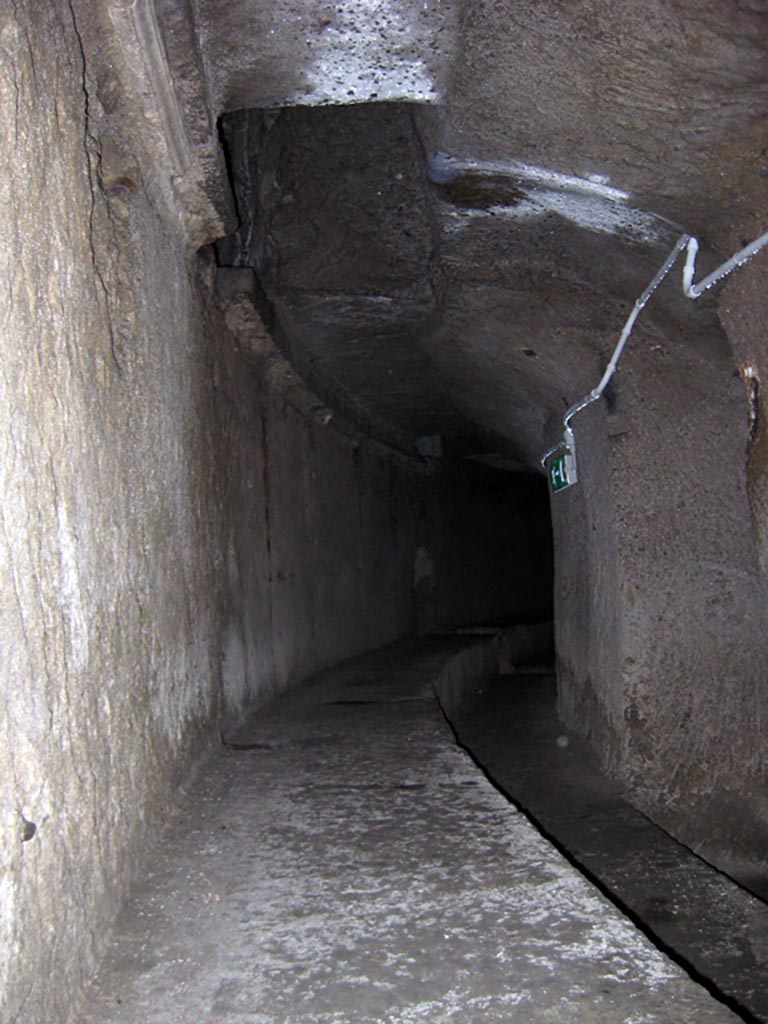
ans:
(463, 672)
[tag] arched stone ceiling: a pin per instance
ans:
(459, 259)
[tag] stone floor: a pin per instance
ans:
(708, 922)
(345, 862)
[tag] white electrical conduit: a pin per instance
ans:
(690, 290)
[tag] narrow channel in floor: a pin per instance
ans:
(710, 925)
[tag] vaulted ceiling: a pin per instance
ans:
(451, 206)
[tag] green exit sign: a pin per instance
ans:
(562, 471)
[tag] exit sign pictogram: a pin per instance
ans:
(562, 472)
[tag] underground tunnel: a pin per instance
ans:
(349, 674)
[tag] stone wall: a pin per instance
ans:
(589, 638)
(113, 595)
(319, 524)
(660, 601)
(110, 599)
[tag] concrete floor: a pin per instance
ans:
(348, 862)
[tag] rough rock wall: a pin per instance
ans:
(110, 602)
(173, 545)
(589, 637)
(743, 311)
(320, 524)
(666, 676)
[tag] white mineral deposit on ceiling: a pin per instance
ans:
(589, 203)
(371, 50)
